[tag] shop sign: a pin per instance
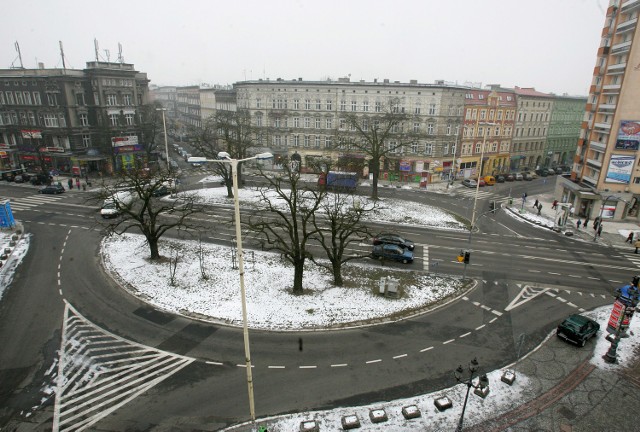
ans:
(124, 141)
(127, 149)
(31, 134)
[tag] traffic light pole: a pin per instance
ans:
(467, 254)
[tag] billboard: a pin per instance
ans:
(124, 141)
(620, 167)
(628, 135)
(6, 215)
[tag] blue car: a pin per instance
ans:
(392, 252)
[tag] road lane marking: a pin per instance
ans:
(449, 341)
(426, 349)
(399, 356)
(482, 326)
(308, 367)
(373, 361)
(214, 363)
(465, 335)
(339, 365)
(275, 367)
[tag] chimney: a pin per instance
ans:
(413, 81)
(386, 80)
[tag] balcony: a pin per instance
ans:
(606, 107)
(617, 67)
(628, 5)
(606, 126)
(594, 163)
(621, 47)
(593, 181)
(597, 145)
(626, 25)
(611, 88)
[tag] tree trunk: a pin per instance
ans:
(337, 273)
(298, 270)
(153, 248)
(374, 182)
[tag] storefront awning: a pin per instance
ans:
(587, 195)
(91, 158)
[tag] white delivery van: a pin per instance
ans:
(112, 205)
(197, 161)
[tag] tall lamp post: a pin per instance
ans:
(224, 157)
(166, 145)
(595, 235)
(482, 385)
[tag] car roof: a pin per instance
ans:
(578, 319)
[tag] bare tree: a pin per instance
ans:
(377, 136)
(337, 226)
(285, 225)
(146, 211)
(230, 132)
(151, 127)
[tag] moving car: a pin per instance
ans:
(161, 191)
(489, 180)
(500, 179)
(469, 183)
(392, 252)
(112, 206)
(53, 189)
(393, 239)
(577, 329)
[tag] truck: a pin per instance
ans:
(196, 161)
(336, 180)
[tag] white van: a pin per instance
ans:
(197, 161)
(112, 205)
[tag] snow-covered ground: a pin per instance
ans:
(15, 253)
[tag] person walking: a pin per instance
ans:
(539, 208)
(535, 204)
(586, 221)
(554, 205)
(629, 238)
(70, 183)
(578, 224)
(78, 182)
(599, 229)
(637, 245)
(571, 211)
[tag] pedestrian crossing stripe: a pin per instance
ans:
(99, 372)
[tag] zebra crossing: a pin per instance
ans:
(98, 372)
(482, 194)
(29, 202)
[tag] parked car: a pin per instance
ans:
(392, 252)
(469, 183)
(113, 205)
(482, 182)
(500, 179)
(489, 180)
(509, 177)
(53, 189)
(518, 176)
(394, 239)
(527, 176)
(161, 191)
(577, 329)
(40, 179)
(551, 171)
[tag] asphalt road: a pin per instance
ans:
(510, 261)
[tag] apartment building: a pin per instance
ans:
(564, 130)
(302, 117)
(606, 169)
(189, 106)
(488, 119)
(530, 129)
(71, 121)
(168, 97)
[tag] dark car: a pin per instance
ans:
(577, 329)
(161, 191)
(500, 179)
(52, 189)
(509, 177)
(392, 252)
(393, 239)
(40, 179)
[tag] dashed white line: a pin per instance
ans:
(476, 303)
(487, 308)
(245, 366)
(275, 367)
(495, 312)
(449, 341)
(399, 356)
(339, 365)
(554, 273)
(465, 335)
(478, 328)
(373, 361)
(534, 271)
(572, 305)
(307, 367)
(561, 299)
(426, 349)
(574, 276)
(490, 322)
(214, 363)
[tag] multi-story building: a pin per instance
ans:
(530, 130)
(168, 97)
(302, 117)
(606, 168)
(488, 119)
(188, 107)
(71, 121)
(564, 131)
(214, 99)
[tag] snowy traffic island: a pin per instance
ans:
(200, 280)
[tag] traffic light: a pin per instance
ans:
(467, 255)
(461, 256)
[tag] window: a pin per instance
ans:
(129, 119)
(428, 148)
(445, 148)
(112, 100)
(277, 141)
(296, 122)
(416, 127)
(378, 106)
(483, 114)
(62, 120)
(365, 106)
(86, 140)
(19, 98)
(477, 148)
(474, 114)
(329, 105)
(307, 104)
(354, 106)
(259, 120)
(494, 147)
(467, 115)
(480, 96)
(343, 105)
(306, 141)
(10, 98)
(126, 100)
(2, 102)
(296, 104)
(365, 124)
(50, 120)
(497, 131)
(432, 109)
(23, 118)
(32, 118)
(499, 115)
(414, 147)
(318, 104)
(318, 122)
(416, 110)
(327, 142)
(113, 119)
(491, 114)
(343, 124)
(80, 99)
(307, 122)
(328, 123)
(480, 131)
(276, 122)
(430, 128)
(465, 150)
(27, 97)
(317, 141)
(258, 103)
(296, 140)
(84, 119)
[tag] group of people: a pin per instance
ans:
(77, 182)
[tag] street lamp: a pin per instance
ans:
(224, 157)
(595, 234)
(482, 386)
(628, 298)
(166, 146)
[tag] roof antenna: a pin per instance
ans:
(96, 49)
(19, 57)
(120, 58)
(64, 66)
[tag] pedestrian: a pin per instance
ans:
(70, 183)
(539, 208)
(578, 224)
(637, 245)
(599, 229)
(571, 210)
(586, 221)
(629, 238)
(78, 182)
(535, 204)
(554, 205)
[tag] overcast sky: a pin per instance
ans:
(547, 44)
